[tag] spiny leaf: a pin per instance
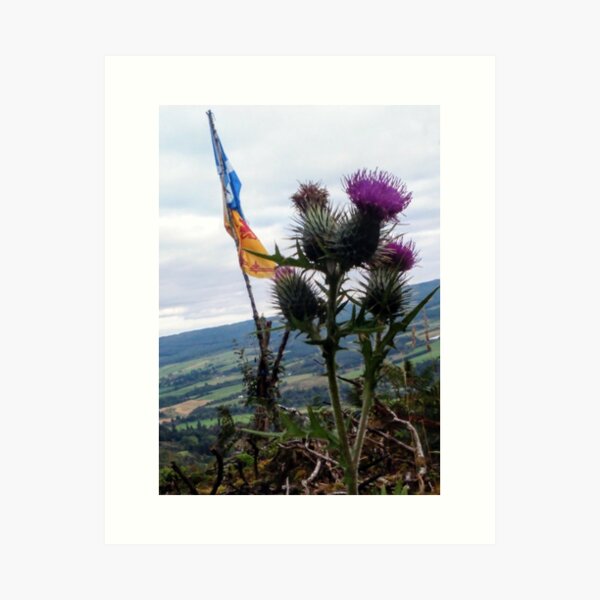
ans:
(292, 429)
(283, 261)
(264, 434)
(415, 311)
(341, 307)
(367, 349)
(400, 490)
(368, 329)
(319, 431)
(321, 287)
(300, 253)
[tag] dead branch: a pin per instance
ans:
(184, 478)
(363, 484)
(375, 442)
(300, 446)
(293, 411)
(217, 454)
(312, 476)
(282, 345)
(254, 447)
(420, 460)
(239, 465)
(390, 438)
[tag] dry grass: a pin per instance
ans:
(183, 409)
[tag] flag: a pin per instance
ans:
(235, 222)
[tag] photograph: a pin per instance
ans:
(299, 300)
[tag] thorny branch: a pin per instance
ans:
(312, 476)
(420, 460)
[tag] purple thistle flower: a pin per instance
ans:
(281, 272)
(402, 255)
(377, 192)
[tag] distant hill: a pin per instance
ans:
(202, 342)
(214, 340)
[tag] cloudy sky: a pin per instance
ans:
(272, 149)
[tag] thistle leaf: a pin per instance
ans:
(292, 429)
(415, 311)
(283, 261)
(341, 307)
(321, 287)
(319, 431)
(264, 434)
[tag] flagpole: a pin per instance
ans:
(213, 132)
(262, 329)
(265, 380)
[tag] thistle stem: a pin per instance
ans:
(329, 352)
(367, 402)
(372, 368)
(338, 416)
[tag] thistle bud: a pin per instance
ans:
(316, 229)
(357, 238)
(281, 272)
(295, 297)
(400, 255)
(386, 295)
(310, 194)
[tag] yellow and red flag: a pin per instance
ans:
(235, 222)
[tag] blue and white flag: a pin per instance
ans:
(229, 179)
(234, 220)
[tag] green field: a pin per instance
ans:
(220, 362)
(231, 385)
(211, 422)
